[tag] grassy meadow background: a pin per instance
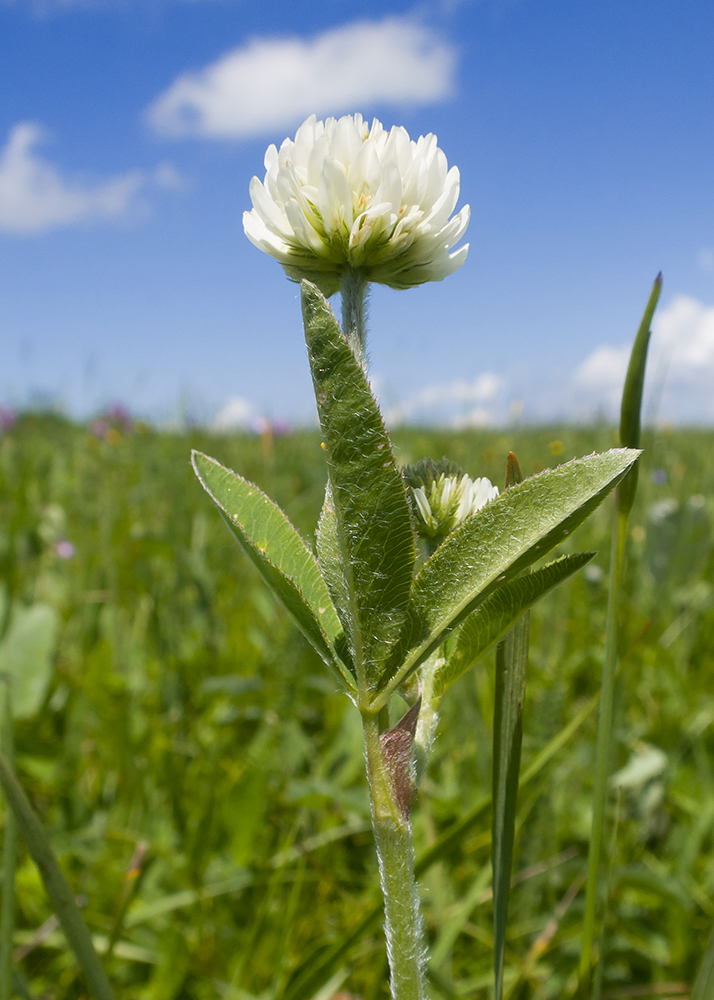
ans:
(202, 780)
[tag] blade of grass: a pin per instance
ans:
(629, 434)
(511, 666)
(703, 988)
(449, 934)
(603, 751)
(544, 939)
(631, 409)
(56, 886)
(9, 855)
(600, 968)
(20, 986)
(129, 888)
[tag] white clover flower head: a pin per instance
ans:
(444, 496)
(343, 195)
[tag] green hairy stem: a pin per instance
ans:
(390, 819)
(395, 854)
(353, 289)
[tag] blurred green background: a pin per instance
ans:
(202, 780)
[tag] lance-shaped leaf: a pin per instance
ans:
(372, 528)
(494, 545)
(491, 620)
(631, 407)
(279, 554)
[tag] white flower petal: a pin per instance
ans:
(422, 503)
(344, 194)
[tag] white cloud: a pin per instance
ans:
(683, 336)
(680, 369)
(679, 386)
(34, 196)
(459, 403)
(237, 414)
(599, 379)
(272, 83)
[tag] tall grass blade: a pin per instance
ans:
(20, 986)
(511, 666)
(9, 855)
(130, 886)
(703, 988)
(630, 413)
(630, 425)
(58, 890)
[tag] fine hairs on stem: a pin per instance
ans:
(354, 290)
(395, 855)
(403, 925)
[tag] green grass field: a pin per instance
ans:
(180, 710)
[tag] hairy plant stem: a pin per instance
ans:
(353, 289)
(395, 854)
(603, 751)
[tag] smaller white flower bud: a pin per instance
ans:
(443, 496)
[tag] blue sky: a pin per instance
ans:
(584, 133)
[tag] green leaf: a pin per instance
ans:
(372, 528)
(499, 612)
(58, 890)
(494, 545)
(279, 554)
(630, 412)
(26, 656)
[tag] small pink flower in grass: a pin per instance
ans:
(7, 418)
(64, 548)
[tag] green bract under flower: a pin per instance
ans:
(342, 195)
(443, 496)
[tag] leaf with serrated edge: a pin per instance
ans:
(279, 554)
(491, 620)
(494, 545)
(373, 523)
